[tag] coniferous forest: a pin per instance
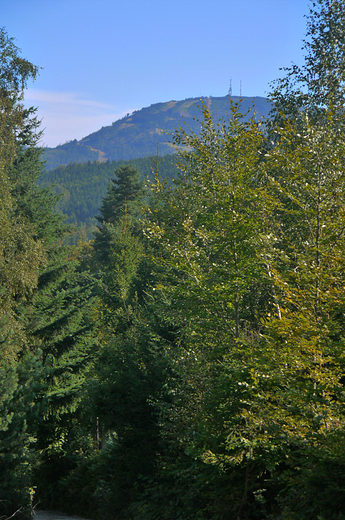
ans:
(188, 361)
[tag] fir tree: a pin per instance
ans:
(121, 203)
(21, 257)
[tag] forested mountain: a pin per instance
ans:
(188, 362)
(136, 135)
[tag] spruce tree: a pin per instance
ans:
(131, 368)
(46, 325)
(121, 203)
(21, 257)
(59, 323)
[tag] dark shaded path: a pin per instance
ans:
(53, 515)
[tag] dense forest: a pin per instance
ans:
(187, 362)
(81, 187)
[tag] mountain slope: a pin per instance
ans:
(137, 134)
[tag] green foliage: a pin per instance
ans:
(21, 257)
(307, 261)
(45, 302)
(130, 369)
(216, 195)
(209, 236)
(20, 412)
(319, 83)
(123, 196)
(118, 215)
(258, 391)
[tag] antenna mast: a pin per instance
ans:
(230, 88)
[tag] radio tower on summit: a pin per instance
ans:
(230, 88)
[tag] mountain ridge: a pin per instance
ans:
(138, 134)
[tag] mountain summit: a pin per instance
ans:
(137, 134)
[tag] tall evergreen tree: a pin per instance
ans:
(45, 298)
(131, 367)
(123, 195)
(21, 256)
(121, 203)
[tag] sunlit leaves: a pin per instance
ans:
(210, 229)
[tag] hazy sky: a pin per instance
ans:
(103, 58)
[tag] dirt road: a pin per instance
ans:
(53, 515)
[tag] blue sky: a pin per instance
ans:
(101, 59)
